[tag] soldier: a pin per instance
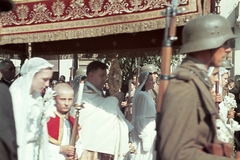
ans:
(153, 69)
(187, 128)
(8, 145)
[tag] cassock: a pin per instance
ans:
(59, 134)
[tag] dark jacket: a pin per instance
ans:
(5, 82)
(8, 145)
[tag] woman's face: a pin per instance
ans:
(149, 83)
(224, 79)
(41, 80)
(214, 77)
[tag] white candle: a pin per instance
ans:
(80, 92)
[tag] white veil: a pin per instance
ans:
(221, 72)
(210, 71)
(20, 92)
(142, 80)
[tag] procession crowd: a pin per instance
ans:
(198, 120)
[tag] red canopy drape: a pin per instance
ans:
(53, 20)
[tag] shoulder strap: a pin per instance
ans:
(208, 105)
(200, 80)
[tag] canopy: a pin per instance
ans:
(41, 22)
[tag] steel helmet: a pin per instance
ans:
(149, 68)
(81, 71)
(205, 32)
(227, 64)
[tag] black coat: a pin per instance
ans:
(8, 145)
(5, 82)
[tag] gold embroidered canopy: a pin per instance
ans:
(53, 20)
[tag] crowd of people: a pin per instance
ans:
(199, 118)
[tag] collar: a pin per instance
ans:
(64, 116)
(93, 88)
(7, 80)
(198, 68)
(198, 63)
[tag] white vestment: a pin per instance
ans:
(144, 132)
(104, 128)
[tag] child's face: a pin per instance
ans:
(64, 102)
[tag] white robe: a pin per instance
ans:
(144, 133)
(226, 130)
(104, 128)
(30, 113)
(31, 132)
(54, 150)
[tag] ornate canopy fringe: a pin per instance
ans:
(53, 20)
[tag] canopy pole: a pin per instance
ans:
(29, 49)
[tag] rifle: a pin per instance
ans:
(169, 37)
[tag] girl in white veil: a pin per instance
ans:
(144, 114)
(226, 126)
(29, 112)
(222, 80)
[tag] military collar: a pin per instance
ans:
(201, 72)
(198, 63)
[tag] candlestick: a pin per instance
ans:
(80, 92)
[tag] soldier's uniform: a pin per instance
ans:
(188, 115)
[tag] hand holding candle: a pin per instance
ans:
(80, 92)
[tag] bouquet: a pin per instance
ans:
(49, 104)
(230, 102)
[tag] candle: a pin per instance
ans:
(80, 92)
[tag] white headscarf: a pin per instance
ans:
(142, 80)
(210, 71)
(21, 97)
(222, 71)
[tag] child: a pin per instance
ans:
(60, 127)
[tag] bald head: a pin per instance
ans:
(63, 88)
(64, 98)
